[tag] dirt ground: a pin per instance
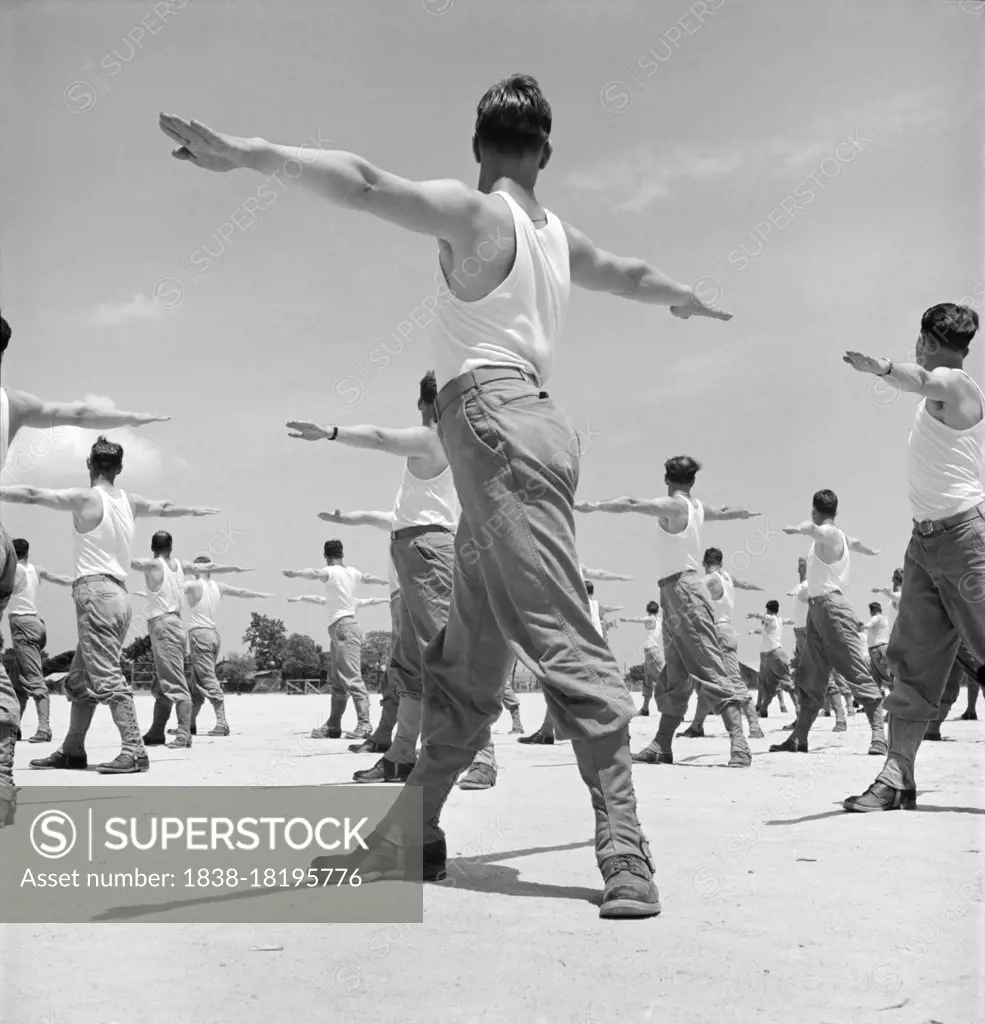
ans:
(777, 905)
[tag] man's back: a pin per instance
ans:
(506, 311)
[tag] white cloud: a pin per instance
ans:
(109, 314)
(640, 178)
(56, 456)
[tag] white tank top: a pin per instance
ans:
(24, 600)
(340, 592)
(431, 502)
(593, 608)
(772, 634)
(725, 605)
(800, 607)
(202, 614)
(945, 465)
(167, 599)
(679, 552)
(877, 631)
(827, 577)
(4, 426)
(518, 322)
(654, 636)
(106, 549)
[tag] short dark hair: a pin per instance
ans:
(21, 547)
(825, 502)
(772, 607)
(875, 607)
(106, 457)
(202, 558)
(429, 388)
(333, 549)
(513, 117)
(949, 325)
(4, 335)
(652, 607)
(681, 469)
(898, 576)
(590, 587)
(712, 556)
(161, 541)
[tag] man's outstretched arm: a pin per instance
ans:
(55, 577)
(228, 591)
(443, 209)
(723, 513)
(744, 585)
(146, 508)
(947, 385)
(603, 575)
(366, 602)
(408, 442)
(306, 574)
(215, 568)
(306, 599)
(26, 410)
(374, 580)
(69, 499)
(854, 544)
(599, 271)
(381, 520)
(653, 507)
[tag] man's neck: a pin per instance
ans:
(497, 178)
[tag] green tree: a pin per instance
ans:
(59, 663)
(376, 656)
(300, 657)
(236, 672)
(264, 639)
(635, 674)
(138, 651)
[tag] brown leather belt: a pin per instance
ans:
(931, 526)
(99, 576)
(416, 531)
(475, 378)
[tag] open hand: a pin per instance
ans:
(791, 530)
(291, 574)
(695, 307)
(203, 147)
(306, 430)
(866, 364)
(331, 517)
(141, 418)
(206, 512)
(584, 506)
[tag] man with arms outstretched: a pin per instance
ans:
(693, 645)
(345, 666)
(832, 640)
(28, 638)
(941, 607)
(103, 518)
(422, 549)
(495, 336)
(19, 409)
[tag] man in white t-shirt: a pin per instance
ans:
(28, 638)
(652, 650)
(774, 666)
(345, 671)
(20, 409)
(506, 265)
(103, 519)
(941, 606)
(832, 640)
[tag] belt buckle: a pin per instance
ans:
(926, 528)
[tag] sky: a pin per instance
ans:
(816, 169)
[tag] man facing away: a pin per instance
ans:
(21, 409)
(346, 638)
(382, 736)
(653, 652)
(774, 667)
(164, 577)
(722, 586)
(103, 518)
(202, 595)
(832, 640)
(693, 646)
(877, 640)
(941, 606)
(422, 549)
(28, 637)
(508, 265)
(801, 604)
